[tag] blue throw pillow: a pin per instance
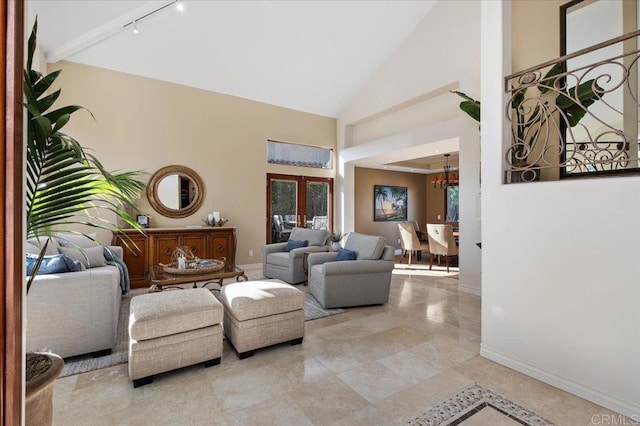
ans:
(293, 244)
(51, 264)
(344, 254)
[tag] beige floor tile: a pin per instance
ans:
(373, 365)
(373, 381)
(242, 389)
(412, 401)
(327, 401)
(445, 352)
(409, 366)
(337, 356)
(275, 411)
(366, 417)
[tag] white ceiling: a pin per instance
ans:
(311, 56)
(306, 55)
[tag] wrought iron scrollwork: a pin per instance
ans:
(581, 120)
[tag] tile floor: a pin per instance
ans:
(378, 365)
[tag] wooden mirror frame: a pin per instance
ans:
(158, 206)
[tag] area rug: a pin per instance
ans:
(477, 405)
(119, 355)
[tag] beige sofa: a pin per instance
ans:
(74, 313)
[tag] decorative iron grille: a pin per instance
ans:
(573, 116)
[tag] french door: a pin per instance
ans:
(297, 201)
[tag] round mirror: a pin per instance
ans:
(175, 191)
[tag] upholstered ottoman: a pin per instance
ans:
(173, 329)
(262, 313)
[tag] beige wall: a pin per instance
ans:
(365, 179)
(435, 204)
(145, 124)
(536, 34)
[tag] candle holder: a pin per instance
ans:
(213, 222)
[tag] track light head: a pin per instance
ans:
(179, 5)
(135, 27)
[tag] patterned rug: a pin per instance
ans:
(477, 405)
(120, 354)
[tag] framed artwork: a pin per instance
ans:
(143, 220)
(389, 203)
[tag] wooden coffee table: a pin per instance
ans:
(158, 278)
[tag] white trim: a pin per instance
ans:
(468, 289)
(627, 408)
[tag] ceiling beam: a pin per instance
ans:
(104, 31)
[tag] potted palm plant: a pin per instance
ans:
(65, 185)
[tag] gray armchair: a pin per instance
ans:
(364, 281)
(288, 265)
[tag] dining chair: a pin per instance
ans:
(409, 240)
(441, 242)
(319, 222)
(279, 232)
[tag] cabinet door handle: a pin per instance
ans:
(167, 251)
(220, 248)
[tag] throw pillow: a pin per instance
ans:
(293, 244)
(31, 248)
(76, 240)
(52, 246)
(91, 257)
(344, 254)
(56, 264)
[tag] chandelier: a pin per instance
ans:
(447, 179)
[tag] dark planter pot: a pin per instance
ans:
(42, 370)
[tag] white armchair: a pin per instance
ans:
(288, 265)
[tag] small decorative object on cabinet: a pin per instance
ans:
(158, 245)
(214, 219)
(143, 220)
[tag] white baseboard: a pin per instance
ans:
(468, 289)
(620, 406)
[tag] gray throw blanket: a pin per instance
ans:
(114, 260)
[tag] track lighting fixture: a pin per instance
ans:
(179, 6)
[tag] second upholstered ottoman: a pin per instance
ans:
(173, 329)
(262, 313)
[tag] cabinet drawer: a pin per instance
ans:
(163, 247)
(220, 248)
(197, 244)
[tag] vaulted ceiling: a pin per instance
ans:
(312, 55)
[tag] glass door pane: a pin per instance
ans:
(283, 208)
(297, 201)
(318, 202)
(453, 207)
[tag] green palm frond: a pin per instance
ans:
(65, 184)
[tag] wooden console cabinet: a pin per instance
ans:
(157, 245)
